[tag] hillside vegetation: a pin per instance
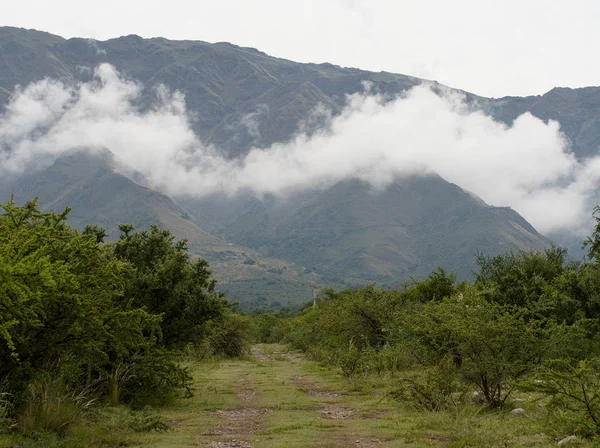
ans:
(87, 323)
(523, 335)
(89, 185)
(105, 343)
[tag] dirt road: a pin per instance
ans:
(278, 399)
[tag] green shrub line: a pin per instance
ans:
(87, 324)
(528, 324)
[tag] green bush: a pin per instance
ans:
(156, 380)
(165, 282)
(62, 296)
(491, 345)
(146, 421)
(104, 313)
(368, 317)
(231, 336)
(574, 389)
(520, 278)
(434, 389)
(392, 359)
(354, 360)
(269, 328)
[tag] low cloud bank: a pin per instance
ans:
(526, 166)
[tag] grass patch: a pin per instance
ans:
(287, 415)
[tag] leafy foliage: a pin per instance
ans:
(491, 345)
(575, 392)
(438, 285)
(435, 389)
(230, 336)
(83, 321)
(520, 278)
(166, 283)
(63, 298)
(529, 318)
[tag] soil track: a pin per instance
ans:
(249, 424)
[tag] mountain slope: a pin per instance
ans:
(223, 82)
(96, 193)
(353, 234)
(577, 111)
(243, 98)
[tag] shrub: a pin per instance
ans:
(435, 389)
(269, 328)
(436, 286)
(231, 337)
(574, 389)
(491, 345)
(146, 421)
(156, 379)
(392, 359)
(62, 296)
(353, 361)
(520, 278)
(168, 283)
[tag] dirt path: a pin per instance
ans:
(238, 425)
(277, 399)
(280, 402)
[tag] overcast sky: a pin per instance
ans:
(492, 48)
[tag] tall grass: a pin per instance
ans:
(51, 406)
(116, 382)
(5, 411)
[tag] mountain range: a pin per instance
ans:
(268, 252)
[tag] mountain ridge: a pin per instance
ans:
(224, 84)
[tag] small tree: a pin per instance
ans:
(168, 283)
(490, 345)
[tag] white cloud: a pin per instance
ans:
(526, 166)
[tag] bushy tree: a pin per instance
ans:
(520, 278)
(491, 345)
(166, 282)
(62, 297)
(363, 316)
(438, 285)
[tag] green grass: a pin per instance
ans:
(294, 399)
(295, 418)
